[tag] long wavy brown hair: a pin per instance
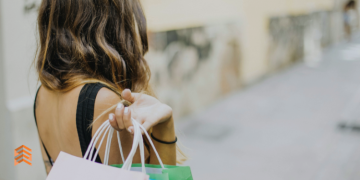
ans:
(87, 41)
(92, 40)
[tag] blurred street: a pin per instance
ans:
(283, 127)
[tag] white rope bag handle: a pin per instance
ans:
(105, 126)
(138, 141)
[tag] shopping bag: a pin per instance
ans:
(154, 171)
(157, 172)
(68, 167)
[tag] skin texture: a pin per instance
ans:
(56, 118)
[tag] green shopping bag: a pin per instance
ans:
(157, 173)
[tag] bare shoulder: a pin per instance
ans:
(106, 100)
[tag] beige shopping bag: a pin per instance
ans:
(68, 167)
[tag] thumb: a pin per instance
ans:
(127, 95)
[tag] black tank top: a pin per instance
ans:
(84, 116)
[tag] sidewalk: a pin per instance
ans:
(282, 128)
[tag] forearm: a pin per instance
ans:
(166, 132)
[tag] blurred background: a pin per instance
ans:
(260, 89)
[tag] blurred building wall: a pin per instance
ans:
(261, 31)
(298, 37)
(257, 15)
(193, 67)
(195, 51)
(165, 15)
(254, 16)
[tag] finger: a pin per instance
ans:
(127, 120)
(127, 95)
(119, 113)
(113, 122)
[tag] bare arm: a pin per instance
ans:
(164, 131)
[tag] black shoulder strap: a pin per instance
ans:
(85, 115)
(47, 153)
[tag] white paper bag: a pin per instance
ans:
(68, 167)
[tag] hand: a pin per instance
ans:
(145, 109)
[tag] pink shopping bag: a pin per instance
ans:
(69, 167)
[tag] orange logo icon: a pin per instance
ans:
(22, 154)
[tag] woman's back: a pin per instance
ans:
(61, 118)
